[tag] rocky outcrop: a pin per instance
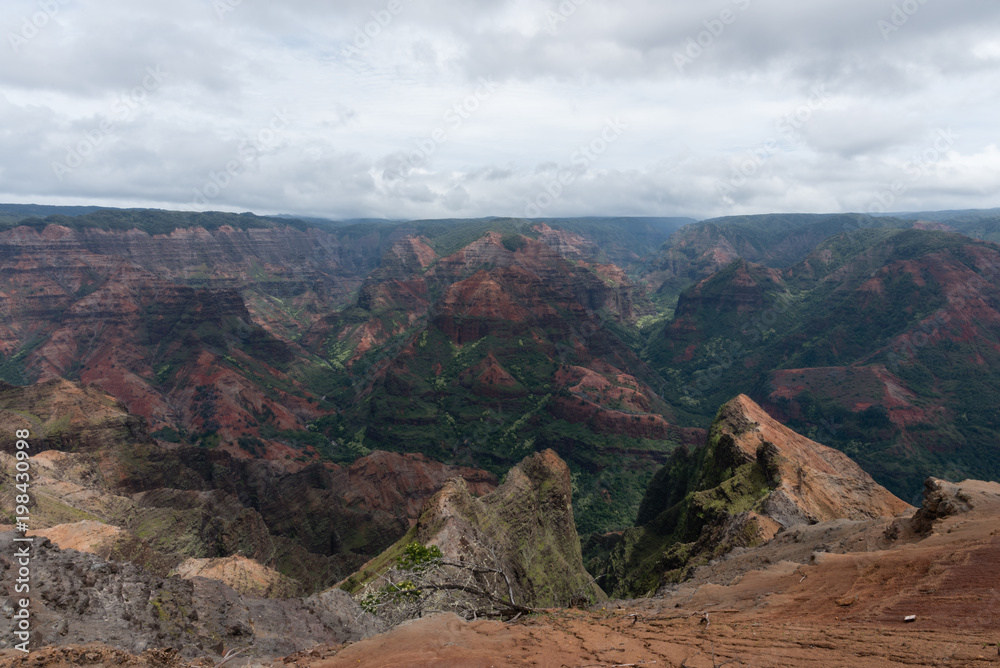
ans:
(944, 499)
(402, 483)
(753, 479)
(567, 244)
(63, 415)
(488, 378)
(820, 483)
(187, 359)
(533, 282)
(153, 306)
(525, 528)
(610, 401)
(740, 288)
(291, 258)
(697, 251)
(81, 598)
(463, 354)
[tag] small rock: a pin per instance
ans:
(910, 618)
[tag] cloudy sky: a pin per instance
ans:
(447, 108)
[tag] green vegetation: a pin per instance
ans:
(886, 295)
(437, 405)
(12, 370)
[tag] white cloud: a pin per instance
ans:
(367, 84)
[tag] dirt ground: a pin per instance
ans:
(619, 638)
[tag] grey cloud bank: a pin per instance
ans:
(445, 108)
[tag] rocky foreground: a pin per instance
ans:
(829, 594)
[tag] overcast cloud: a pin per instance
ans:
(441, 108)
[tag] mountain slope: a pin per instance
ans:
(862, 345)
(774, 240)
(495, 350)
(95, 461)
(753, 479)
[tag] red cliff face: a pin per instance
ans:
(484, 288)
(527, 294)
(111, 309)
(568, 245)
(965, 319)
(519, 290)
(609, 402)
(287, 276)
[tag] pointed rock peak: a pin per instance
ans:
(489, 378)
(525, 527)
(489, 239)
(490, 364)
(753, 478)
(548, 475)
(823, 483)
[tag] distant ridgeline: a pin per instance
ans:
(150, 221)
